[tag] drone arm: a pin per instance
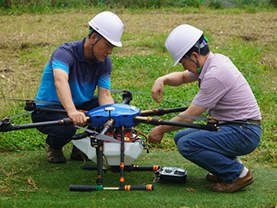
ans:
(108, 125)
(6, 125)
(162, 111)
(33, 107)
(158, 121)
(44, 109)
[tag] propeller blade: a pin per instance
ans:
(193, 117)
(20, 115)
(204, 119)
(119, 91)
(32, 101)
(162, 111)
(87, 130)
(106, 138)
(99, 136)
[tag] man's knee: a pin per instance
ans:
(61, 137)
(66, 131)
(180, 135)
(186, 146)
(177, 137)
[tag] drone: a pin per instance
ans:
(110, 139)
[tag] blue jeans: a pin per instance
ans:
(60, 135)
(215, 151)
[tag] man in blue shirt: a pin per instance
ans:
(70, 79)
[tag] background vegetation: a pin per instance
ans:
(46, 6)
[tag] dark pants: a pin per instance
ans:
(60, 135)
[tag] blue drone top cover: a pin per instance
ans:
(123, 115)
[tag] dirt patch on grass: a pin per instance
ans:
(27, 41)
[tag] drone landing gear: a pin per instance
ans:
(87, 188)
(121, 168)
(116, 169)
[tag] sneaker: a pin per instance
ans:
(77, 154)
(239, 184)
(213, 178)
(55, 155)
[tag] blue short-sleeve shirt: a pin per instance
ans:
(83, 76)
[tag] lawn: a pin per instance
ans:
(30, 181)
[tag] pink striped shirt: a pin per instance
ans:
(224, 91)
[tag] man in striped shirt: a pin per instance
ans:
(225, 94)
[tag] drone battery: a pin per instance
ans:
(127, 136)
(172, 174)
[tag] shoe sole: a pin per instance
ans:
(58, 161)
(214, 179)
(247, 183)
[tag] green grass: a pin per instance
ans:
(59, 6)
(27, 180)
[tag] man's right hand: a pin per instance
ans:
(78, 118)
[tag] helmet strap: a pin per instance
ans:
(199, 68)
(100, 36)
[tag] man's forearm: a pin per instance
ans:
(64, 95)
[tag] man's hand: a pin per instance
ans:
(78, 118)
(155, 135)
(157, 90)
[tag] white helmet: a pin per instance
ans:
(181, 40)
(109, 26)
